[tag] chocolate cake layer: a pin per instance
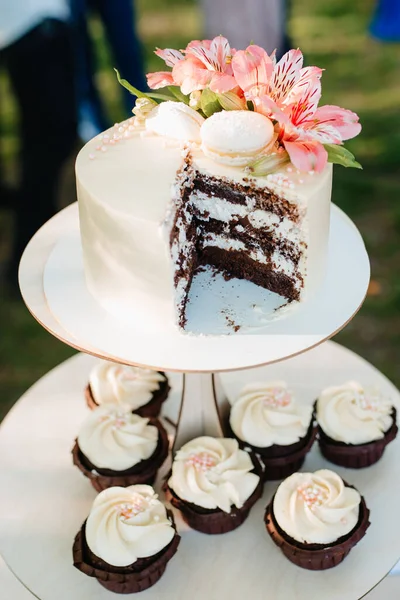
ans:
(237, 194)
(254, 238)
(238, 264)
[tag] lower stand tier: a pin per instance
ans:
(45, 498)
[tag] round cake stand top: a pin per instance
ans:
(53, 287)
(45, 499)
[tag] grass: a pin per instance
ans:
(361, 74)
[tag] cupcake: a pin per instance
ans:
(116, 447)
(214, 484)
(355, 425)
(266, 418)
(113, 384)
(127, 539)
(316, 519)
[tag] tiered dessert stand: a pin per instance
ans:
(44, 499)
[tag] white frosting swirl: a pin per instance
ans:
(235, 137)
(125, 524)
(316, 508)
(267, 413)
(175, 120)
(213, 473)
(111, 383)
(354, 415)
(115, 438)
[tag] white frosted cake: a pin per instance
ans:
(178, 187)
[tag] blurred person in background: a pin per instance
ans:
(261, 22)
(385, 24)
(36, 51)
(119, 22)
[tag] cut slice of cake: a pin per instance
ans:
(241, 229)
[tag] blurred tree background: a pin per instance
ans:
(361, 74)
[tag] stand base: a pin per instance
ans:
(45, 499)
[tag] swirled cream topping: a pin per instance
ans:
(125, 524)
(351, 414)
(267, 413)
(213, 473)
(316, 508)
(112, 383)
(115, 438)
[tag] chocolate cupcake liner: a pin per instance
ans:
(138, 577)
(144, 472)
(151, 410)
(280, 461)
(355, 456)
(316, 557)
(283, 466)
(214, 522)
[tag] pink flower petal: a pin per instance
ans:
(345, 121)
(307, 156)
(307, 78)
(191, 75)
(303, 109)
(252, 69)
(286, 74)
(266, 106)
(160, 79)
(196, 44)
(222, 82)
(320, 132)
(170, 56)
(221, 49)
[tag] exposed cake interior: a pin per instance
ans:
(244, 231)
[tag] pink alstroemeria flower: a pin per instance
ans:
(288, 93)
(202, 64)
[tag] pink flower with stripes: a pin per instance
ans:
(202, 64)
(289, 94)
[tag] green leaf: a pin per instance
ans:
(209, 102)
(231, 101)
(161, 96)
(135, 92)
(268, 164)
(129, 87)
(341, 156)
(176, 91)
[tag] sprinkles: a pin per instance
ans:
(201, 461)
(313, 495)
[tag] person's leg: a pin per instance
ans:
(119, 21)
(40, 67)
(91, 112)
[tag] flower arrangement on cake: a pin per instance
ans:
(209, 76)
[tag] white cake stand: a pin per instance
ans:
(53, 287)
(45, 499)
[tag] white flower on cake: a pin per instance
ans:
(115, 438)
(316, 508)
(267, 413)
(354, 415)
(125, 524)
(111, 383)
(213, 473)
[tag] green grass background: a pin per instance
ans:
(361, 74)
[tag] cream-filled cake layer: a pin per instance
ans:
(126, 210)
